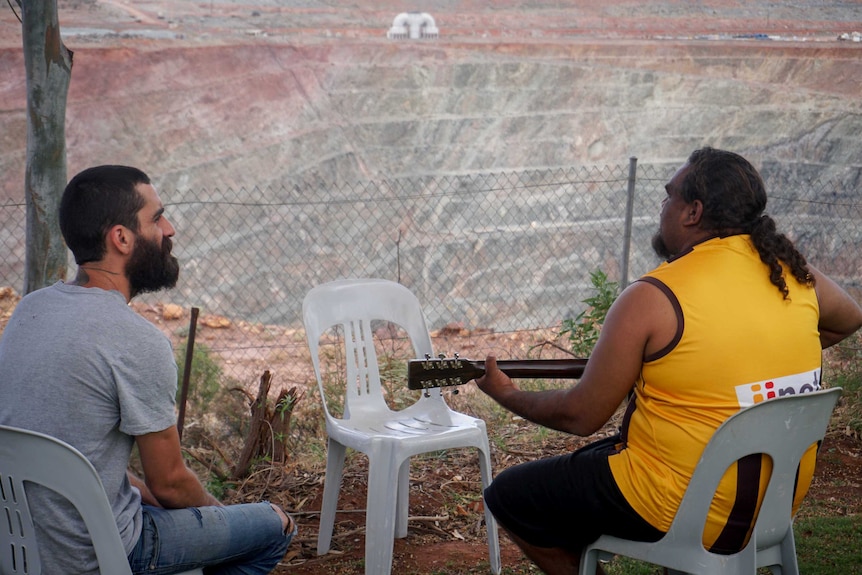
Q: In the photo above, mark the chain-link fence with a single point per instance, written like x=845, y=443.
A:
x=504, y=251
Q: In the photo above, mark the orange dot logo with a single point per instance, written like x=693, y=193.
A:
x=757, y=397
x=763, y=392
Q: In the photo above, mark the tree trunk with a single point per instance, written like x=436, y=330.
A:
x=269, y=429
x=49, y=71
x=258, y=429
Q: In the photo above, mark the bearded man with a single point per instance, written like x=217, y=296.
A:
x=78, y=364
x=734, y=304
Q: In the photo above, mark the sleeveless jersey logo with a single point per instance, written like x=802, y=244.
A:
x=750, y=393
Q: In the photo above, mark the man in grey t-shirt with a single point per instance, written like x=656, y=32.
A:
x=78, y=364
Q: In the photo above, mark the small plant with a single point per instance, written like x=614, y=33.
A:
x=843, y=368
x=218, y=487
x=205, y=377
x=583, y=331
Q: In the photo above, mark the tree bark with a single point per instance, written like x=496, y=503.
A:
x=270, y=425
x=257, y=429
x=49, y=71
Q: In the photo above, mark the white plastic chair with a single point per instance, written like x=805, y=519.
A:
x=389, y=438
x=783, y=428
x=30, y=457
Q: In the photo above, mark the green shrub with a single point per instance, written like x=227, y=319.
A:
x=583, y=331
x=204, y=379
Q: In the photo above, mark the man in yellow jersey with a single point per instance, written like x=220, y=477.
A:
x=733, y=317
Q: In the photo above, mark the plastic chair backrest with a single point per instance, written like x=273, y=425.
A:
x=352, y=304
x=782, y=428
x=30, y=457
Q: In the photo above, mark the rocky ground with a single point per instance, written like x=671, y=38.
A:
x=207, y=94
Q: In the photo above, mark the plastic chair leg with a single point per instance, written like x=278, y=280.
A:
x=589, y=560
x=335, y=453
x=789, y=565
x=490, y=521
x=780, y=559
x=380, y=513
x=402, y=504
x=771, y=558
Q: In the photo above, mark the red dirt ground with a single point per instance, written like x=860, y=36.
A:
x=455, y=544
x=443, y=541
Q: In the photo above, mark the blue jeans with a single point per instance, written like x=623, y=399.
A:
x=242, y=539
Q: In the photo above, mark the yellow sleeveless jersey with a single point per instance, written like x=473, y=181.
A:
x=739, y=343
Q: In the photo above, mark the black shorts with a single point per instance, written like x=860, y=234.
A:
x=566, y=501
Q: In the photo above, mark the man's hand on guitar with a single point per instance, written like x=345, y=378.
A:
x=495, y=383
x=547, y=407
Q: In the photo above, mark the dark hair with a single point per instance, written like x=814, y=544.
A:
x=734, y=199
x=94, y=201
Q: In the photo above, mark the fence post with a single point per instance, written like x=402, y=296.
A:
x=187, y=371
x=627, y=235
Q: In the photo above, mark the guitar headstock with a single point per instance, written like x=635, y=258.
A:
x=441, y=372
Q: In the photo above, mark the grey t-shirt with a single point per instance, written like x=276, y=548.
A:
x=79, y=364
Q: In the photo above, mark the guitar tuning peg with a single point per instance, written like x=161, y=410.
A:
x=427, y=393
x=441, y=355
x=427, y=356
x=456, y=355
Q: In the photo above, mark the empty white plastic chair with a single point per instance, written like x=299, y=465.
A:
x=30, y=457
x=389, y=438
x=782, y=428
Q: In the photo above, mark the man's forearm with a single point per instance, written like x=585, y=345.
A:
x=147, y=496
x=540, y=407
x=184, y=491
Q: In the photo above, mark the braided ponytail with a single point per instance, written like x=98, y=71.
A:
x=734, y=200
x=775, y=248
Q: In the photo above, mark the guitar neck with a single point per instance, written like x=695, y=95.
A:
x=537, y=368
x=428, y=373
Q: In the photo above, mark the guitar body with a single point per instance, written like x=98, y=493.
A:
x=443, y=372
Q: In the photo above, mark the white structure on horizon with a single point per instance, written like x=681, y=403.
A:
x=413, y=25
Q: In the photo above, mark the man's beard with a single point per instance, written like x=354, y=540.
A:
x=659, y=247
x=152, y=267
